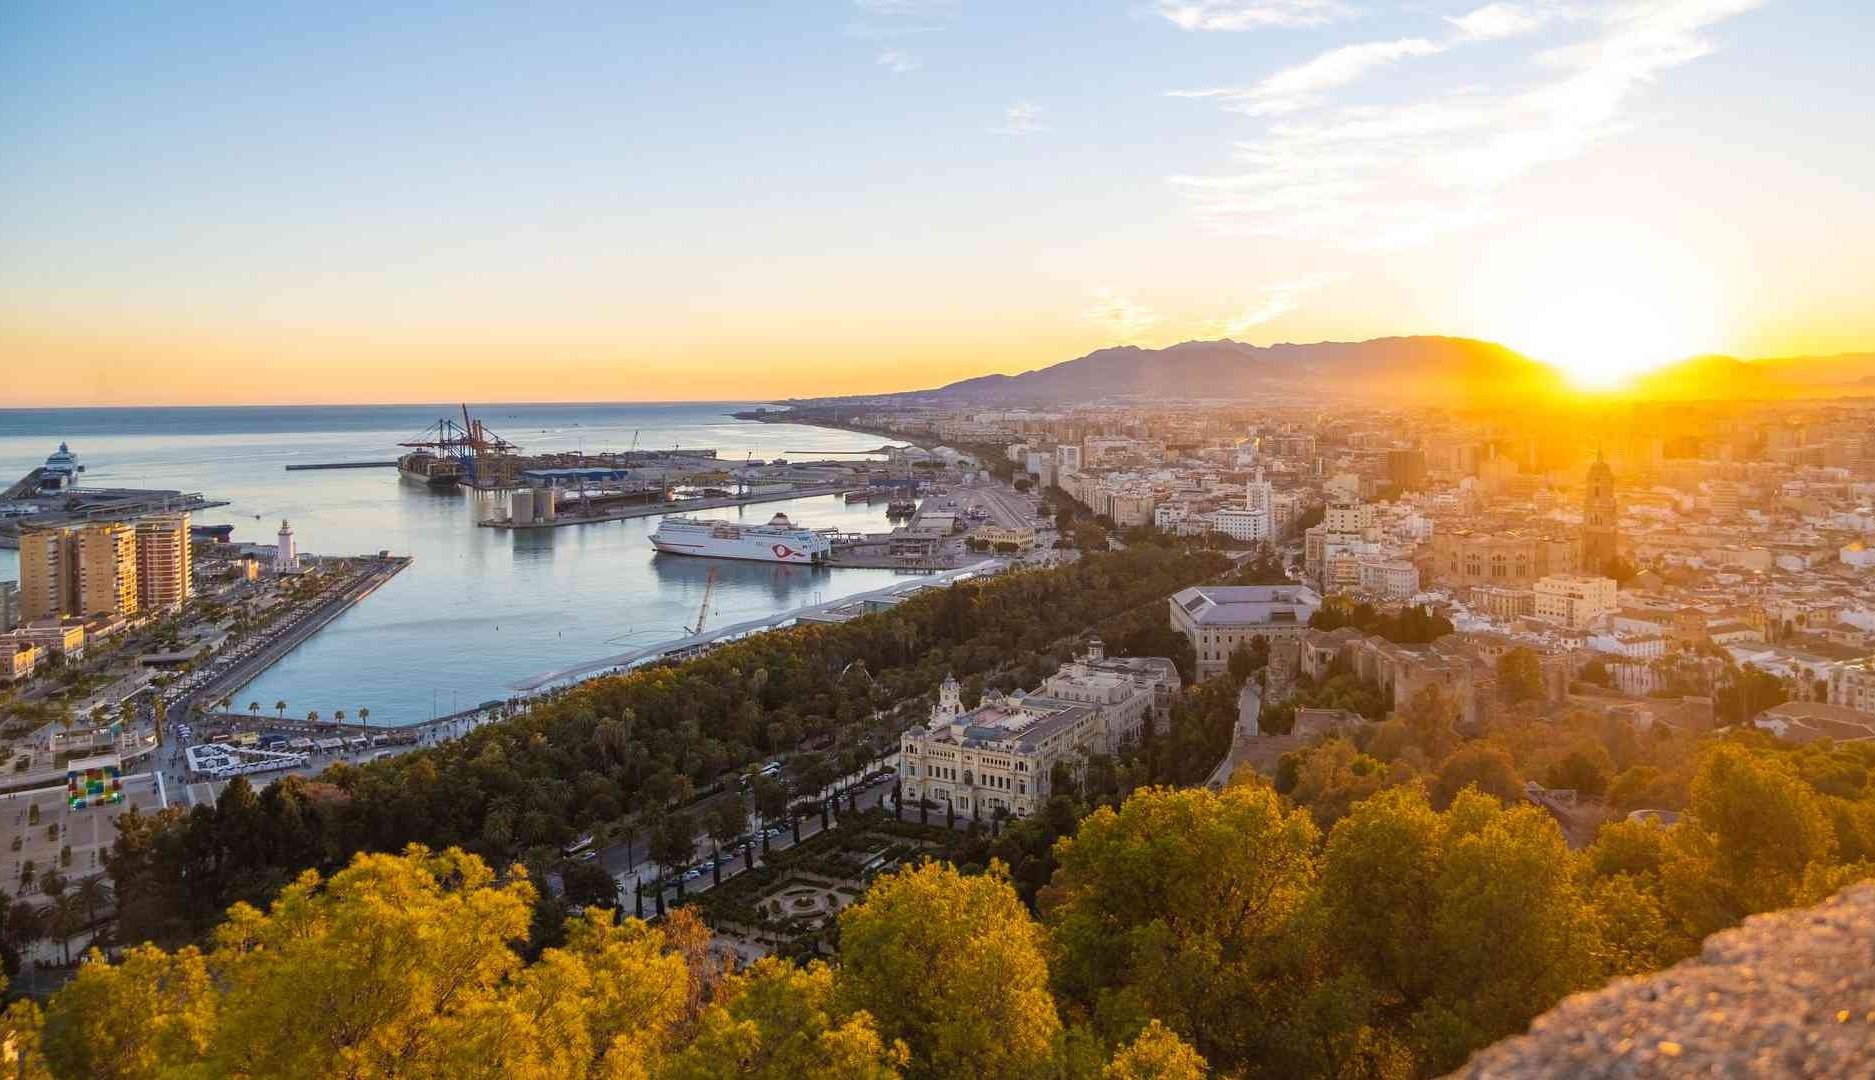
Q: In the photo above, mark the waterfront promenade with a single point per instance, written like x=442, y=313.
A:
x=750, y=626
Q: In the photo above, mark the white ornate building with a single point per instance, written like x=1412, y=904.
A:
x=1001, y=755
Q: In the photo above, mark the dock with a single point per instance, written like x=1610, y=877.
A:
x=677, y=506
x=343, y=465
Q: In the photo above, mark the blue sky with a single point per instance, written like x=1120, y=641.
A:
x=840, y=196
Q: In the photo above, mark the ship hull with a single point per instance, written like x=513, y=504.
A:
x=710, y=551
x=435, y=483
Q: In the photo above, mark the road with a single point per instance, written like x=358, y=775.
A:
x=1008, y=507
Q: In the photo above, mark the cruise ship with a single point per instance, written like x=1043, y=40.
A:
x=778, y=541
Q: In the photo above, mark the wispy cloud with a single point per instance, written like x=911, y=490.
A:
x=1494, y=22
x=890, y=20
x=1274, y=302
x=1301, y=86
x=1250, y=14
x=897, y=62
x=1021, y=118
x=1401, y=173
x=1121, y=317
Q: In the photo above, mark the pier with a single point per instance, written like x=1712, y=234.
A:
x=751, y=626
x=676, y=506
x=343, y=465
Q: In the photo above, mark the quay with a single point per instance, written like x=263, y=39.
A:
x=343, y=465
x=753, y=626
x=675, y=506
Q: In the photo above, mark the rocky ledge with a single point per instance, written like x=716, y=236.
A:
x=1786, y=994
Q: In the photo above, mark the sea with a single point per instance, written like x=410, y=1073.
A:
x=478, y=610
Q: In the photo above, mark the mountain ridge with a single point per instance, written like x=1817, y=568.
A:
x=1409, y=369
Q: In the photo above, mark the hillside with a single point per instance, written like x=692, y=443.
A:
x=1728, y=378
x=1411, y=367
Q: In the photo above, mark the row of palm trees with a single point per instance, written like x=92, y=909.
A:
x=312, y=716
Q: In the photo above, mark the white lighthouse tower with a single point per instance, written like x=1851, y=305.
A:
x=286, y=555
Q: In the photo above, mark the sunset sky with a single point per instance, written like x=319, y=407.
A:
x=683, y=200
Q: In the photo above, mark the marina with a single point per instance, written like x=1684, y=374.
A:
x=476, y=608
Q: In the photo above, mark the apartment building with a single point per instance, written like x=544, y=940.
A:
x=1577, y=601
x=107, y=569
x=163, y=572
x=1852, y=685
x=1243, y=524
x=48, y=574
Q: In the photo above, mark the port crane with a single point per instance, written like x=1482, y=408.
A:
x=468, y=443
x=703, y=612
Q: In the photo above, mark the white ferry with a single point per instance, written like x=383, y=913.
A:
x=778, y=541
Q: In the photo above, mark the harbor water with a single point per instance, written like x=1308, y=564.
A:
x=479, y=609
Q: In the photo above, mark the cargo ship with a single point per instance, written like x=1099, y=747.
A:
x=443, y=473
x=779, y=541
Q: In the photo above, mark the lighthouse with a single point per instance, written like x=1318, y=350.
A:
x=286, y=555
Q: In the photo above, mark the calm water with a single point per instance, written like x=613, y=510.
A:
x=480, y=609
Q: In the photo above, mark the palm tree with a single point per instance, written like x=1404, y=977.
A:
x=226, y=703
x=338, y=716
x=312, y=716
x=364, y=715
x=93, y=893
x=253, y=709
x=280, y=707
x=68, y=919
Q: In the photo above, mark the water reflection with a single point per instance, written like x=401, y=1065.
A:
x=739, y=577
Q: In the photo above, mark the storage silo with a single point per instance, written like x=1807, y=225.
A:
x=521, y=506
x=545, y=504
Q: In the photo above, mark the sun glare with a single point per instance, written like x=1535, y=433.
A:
x=1603, y=311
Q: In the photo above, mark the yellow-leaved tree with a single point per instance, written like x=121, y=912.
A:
x=406, y=966
x=775, y=1020
x=952, y=965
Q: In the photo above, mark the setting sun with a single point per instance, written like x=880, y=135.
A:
x=1601, y=308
